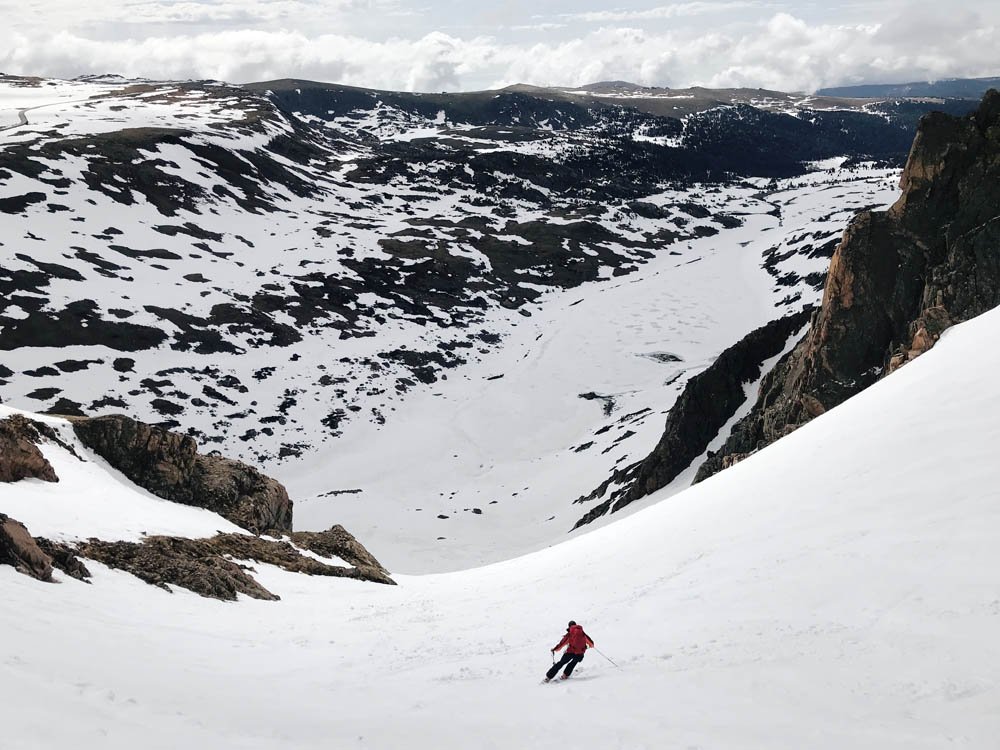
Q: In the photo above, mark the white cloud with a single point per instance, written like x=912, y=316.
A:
x=676, y=10
x=547, y=26
x=780, y=52
x=429, y=63
x=115, y=15
x=199, y=12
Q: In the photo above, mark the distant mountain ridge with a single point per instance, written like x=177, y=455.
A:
x=952, y=88
x=657, y=101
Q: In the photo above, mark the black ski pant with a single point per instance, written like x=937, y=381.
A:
x=569, y=660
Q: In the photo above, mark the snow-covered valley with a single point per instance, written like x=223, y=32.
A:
x=502, y=339
x=486, y=464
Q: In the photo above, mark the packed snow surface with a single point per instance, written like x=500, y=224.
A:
x=839, y=589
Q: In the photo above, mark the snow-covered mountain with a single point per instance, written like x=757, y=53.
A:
x=319, y=279
x=965, y=88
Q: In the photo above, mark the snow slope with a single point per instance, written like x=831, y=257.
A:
x=839, y=589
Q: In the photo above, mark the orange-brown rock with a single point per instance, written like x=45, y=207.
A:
x=19, y=454
x=19, y=549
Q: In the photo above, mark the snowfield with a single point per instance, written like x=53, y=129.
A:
x=839, y=589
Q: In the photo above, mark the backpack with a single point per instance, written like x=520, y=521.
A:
x=577, y=640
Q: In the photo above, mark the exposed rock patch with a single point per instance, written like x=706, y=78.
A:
x=17, y=548
x=19, y=454
x=63, y=557
x=337, y=542
x=189, y=563
x=211, y=567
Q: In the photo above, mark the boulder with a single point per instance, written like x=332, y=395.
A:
x=19, y=454
x=168, y=465
x=338, y=542
x=17, y=548
x=64, y=558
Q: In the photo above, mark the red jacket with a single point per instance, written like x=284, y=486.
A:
x=575, y=640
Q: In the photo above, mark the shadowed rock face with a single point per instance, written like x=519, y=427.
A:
x=897, y=280
x=168, y=465
x=17, y=548
x=708, y=401
x=63, y=558
x=19, y=454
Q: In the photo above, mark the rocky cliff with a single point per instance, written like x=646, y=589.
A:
x=19, y=549
x=898, y=279
x=19, y=454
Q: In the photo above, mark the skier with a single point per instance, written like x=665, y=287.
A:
x=576, y=642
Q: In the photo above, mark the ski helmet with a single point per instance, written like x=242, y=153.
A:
x=571, y=623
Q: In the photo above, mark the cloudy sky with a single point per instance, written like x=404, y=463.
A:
x=436, y=45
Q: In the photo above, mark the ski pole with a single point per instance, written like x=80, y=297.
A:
x=605, y=656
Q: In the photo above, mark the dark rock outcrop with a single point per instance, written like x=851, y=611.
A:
x=63, y=558
x=708, y=401
x=897, y=280
x=19, y=454
x=168, y=465
x=189, y=563
x=338, y=542
x=286, y=556
x=207, y=567
x=17, y=548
